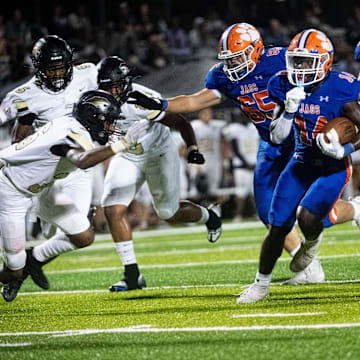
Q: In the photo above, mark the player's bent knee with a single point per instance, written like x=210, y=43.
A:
x=15, y=261
x=83, y=239
x=308, y=222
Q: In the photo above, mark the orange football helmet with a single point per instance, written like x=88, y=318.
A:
x=240, y=47
x=309, y=57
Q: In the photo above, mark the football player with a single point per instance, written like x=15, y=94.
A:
x=307, y=94
x=48, y=95
x=33, y=167
x=209, y=136
x=155, y=160
x=242, y=76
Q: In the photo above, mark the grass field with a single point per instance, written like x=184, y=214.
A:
x=188, y=310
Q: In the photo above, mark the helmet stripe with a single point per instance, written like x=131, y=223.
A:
x=225, y=37
x=303, y=38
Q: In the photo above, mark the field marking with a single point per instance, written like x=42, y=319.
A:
x=14, y=345
x=161, y=266
x=175, y=287
x=149, y=329
x=278, y=314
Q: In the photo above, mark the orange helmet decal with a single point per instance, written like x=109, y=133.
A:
x=242, y=41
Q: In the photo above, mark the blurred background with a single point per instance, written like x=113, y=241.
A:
x=171, y=44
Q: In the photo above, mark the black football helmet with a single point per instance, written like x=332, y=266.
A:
x=52, y=58
x=93, y=110
x=113, y=72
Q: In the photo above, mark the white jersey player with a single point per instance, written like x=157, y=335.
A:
x=49, y=95
x=244, y=140
x=155, y=160
x=209, y=138
x=32, y=169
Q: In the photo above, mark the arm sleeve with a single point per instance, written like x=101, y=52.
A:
x=280, y=127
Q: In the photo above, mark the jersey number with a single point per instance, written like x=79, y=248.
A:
x=306, y=136
x=255, y=115
x=136, y=149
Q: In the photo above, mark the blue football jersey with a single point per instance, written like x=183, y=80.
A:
x=318, y=108
x=250, y=93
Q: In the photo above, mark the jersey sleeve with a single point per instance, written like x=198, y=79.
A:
x=90, y=72
x=19, y=107
x=153, y=115
x=8, y=110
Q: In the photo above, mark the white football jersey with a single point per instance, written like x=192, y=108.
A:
x=157, y=136
x=31, y=99
x=208, y=137
x=29, y=164
x=247, y=138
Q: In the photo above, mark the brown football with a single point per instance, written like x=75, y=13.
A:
x=344, y=127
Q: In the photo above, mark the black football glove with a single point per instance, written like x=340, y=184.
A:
x=195, y=157
x=146, y=102
x=60, y=149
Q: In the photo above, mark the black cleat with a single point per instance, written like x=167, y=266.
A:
x=11, y=289
x=126, y=285
x=34, y=268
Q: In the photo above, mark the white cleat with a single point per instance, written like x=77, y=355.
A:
x=214, y=233
x=305, y=255
x=252, y=294
x=313, y=274
x=356, y=204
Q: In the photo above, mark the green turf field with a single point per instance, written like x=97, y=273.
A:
x=188, y=310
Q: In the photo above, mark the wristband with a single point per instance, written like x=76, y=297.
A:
x=120, y=145
x=192, y=147
x=164, y=105
x=348, y=149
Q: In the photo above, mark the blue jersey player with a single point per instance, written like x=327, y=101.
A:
x=308, y=95
x=242, y=76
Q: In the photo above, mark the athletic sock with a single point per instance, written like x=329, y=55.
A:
x=126, y=251
x=204, y=215
x=262, y=279
x=294, y=251
x=52, y=248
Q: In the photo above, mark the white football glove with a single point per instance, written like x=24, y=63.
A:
x=293, y=99
x=135, y=132
x=333, y=149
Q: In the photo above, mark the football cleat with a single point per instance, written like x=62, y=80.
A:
x=313, y=274
x=214, y=224
x=252, y=294
x=11, y=289
x=356, y=204
x=305, y=255
x=124, y=284
x=34, y=268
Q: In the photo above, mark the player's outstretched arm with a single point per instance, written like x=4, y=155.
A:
x=86, y=159
x=179, y=123
x=177, y=104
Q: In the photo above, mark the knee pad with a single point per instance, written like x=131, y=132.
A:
x=15, y=261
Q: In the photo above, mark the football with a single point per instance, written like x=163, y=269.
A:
x=344, y=127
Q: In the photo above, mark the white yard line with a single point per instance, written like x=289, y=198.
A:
x=278, y=315
x=14, y=345
x=203, y=263
x=148, y=329
x=172, y=287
